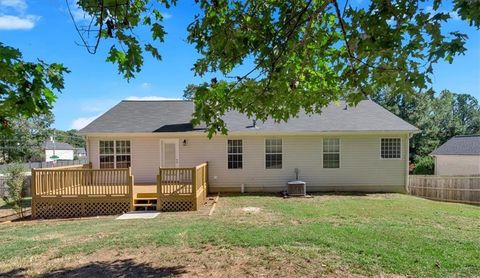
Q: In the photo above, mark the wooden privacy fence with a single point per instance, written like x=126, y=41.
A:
x=462, y=189
x=80, y=191
x=181, y=189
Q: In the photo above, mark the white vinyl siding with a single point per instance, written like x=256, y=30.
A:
x=273, y=154
x=457, y=165
x=361, y=166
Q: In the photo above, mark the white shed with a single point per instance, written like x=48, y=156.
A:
x=458, y=156
x=61, y=150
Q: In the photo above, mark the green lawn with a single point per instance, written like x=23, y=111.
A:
x=377, y=234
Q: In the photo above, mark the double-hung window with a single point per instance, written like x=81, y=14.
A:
x=273, y=153
x=115, y=154
x=331, y=153
x=390, y=148
x=235, y=154
x=122, y=154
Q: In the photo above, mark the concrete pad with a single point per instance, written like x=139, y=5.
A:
x=138, y=215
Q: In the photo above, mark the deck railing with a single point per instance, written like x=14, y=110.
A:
x=75, y=182
x=80, y=191
x=182, y=188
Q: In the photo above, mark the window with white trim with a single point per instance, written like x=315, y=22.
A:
x=273, y=153
x=391, y=148
x=235, y=154
x=331, y=153
x=115, y=154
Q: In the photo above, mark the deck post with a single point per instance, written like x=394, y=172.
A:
x=130, y=186
x=206, y=179
x=194, y=188
x=34, y=192
x=159, y=189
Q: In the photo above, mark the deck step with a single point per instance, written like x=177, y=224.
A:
x=144, y=205
x=146, y=195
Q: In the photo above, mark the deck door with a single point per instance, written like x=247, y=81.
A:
x=170, y=153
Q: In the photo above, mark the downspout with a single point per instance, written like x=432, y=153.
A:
x=87, y=148
x=407, y=160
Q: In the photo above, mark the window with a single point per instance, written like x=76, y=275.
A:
x=273, y=153
x=107, y=156
x=122, y=154
x=235, y=154
x=390, y=148
x=331, y=153
x=114, y=154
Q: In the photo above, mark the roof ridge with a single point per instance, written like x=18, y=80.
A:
x=156, y=100
x=470, y=135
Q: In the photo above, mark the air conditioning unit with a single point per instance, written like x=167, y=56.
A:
x=297, y=188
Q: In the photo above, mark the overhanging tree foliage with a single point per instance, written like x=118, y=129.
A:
x=304, y=53
x=27, y=89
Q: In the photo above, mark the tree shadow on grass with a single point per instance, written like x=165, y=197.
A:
x=117, y=268
x=14, y=273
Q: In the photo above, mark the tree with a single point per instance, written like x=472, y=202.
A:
x=26, y=88
x=439, y=117
x=15, y=182
x=23, y=140
x=71, y=137
x=305, y=53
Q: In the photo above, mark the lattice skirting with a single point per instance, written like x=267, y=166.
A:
x=176, y=204
x=77, y=207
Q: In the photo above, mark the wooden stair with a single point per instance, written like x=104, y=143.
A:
x=145, y=201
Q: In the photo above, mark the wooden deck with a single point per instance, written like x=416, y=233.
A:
x=82, y=191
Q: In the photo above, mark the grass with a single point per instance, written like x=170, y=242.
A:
x=377, y=234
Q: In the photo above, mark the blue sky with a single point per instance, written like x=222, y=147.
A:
x=43, y=29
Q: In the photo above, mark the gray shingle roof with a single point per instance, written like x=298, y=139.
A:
x=460, y=145
x=49, y=145
x=175, y=116
x=80, y=151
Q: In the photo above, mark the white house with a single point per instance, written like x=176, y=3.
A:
x=362, y=148
x=458, y=156
x=57, y=151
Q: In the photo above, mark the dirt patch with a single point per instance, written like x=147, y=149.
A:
x=205, y=261
x=252, y=210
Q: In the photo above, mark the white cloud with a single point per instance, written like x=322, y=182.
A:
x=453, y=14
x=146, y=85
x=78, y=13
x=82, y=122
x=11, y=22
x=13, y=15
x=18, y=5
x=166, y=15
x=151, y=98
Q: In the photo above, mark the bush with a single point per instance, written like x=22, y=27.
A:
x=15, y=181
x=424, y=166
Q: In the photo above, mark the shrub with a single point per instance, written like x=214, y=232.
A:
x=15, y=181
x=424, y=166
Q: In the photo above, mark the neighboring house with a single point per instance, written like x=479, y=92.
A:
x=61, y=150
x=80, y=152
x=362, y=148
x=458, y=156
